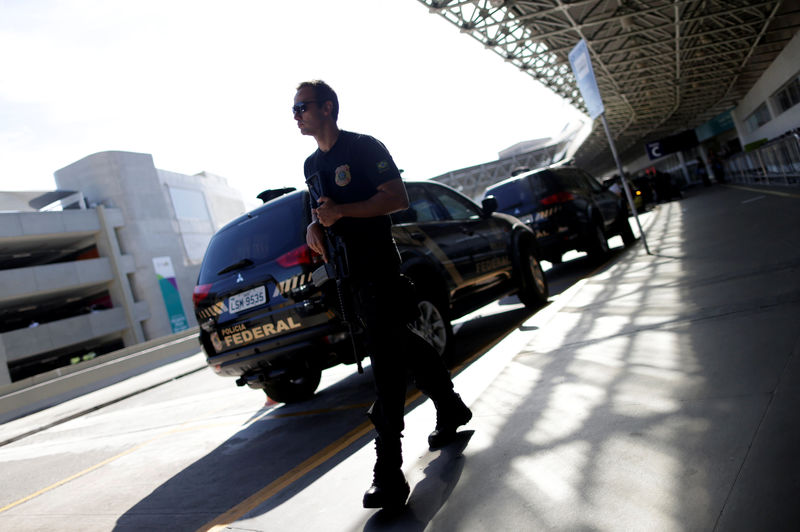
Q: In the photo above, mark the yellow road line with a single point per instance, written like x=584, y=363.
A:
x=297, y=472
x=318, y=411
x=183, y=428
x=277, y=485
x=77, y=475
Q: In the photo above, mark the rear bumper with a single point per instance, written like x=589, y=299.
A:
x=277, y=352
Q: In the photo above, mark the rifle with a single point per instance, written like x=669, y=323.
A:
x=336, y=268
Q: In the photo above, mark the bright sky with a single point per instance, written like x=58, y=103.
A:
x=205, y=85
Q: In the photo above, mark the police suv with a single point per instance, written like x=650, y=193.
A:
x=264, y=321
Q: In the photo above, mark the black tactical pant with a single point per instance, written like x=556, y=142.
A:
x=385, y=306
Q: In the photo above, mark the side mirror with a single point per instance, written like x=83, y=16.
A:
x=489, y=205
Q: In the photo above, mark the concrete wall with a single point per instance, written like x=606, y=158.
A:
x=785, y=67
x=47, y=224
x=130, y=182
x=153, y=228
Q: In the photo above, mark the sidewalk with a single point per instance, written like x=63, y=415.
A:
x=21, y=427
x=658, y=394
x=664, y=394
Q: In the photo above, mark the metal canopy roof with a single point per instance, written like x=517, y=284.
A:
x=663, y=66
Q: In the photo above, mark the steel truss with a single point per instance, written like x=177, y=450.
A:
x=663, y=66
x=474, y=180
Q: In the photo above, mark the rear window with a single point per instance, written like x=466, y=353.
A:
x=523, y=193
x=268, y=233
x=511, y=196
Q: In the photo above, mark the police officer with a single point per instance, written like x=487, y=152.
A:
x=361, y=187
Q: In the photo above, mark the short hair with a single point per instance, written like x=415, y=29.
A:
x=323, y=93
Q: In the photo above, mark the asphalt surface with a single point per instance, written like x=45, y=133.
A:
x=658, y=393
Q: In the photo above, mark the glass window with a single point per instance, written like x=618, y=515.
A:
x=458, y=207
x=571, y=180
x=421, y=208
x=592, y=182
x=758, y=118
x=189, y=204
x=261, y=237
x=515, y=196
x=788, y=96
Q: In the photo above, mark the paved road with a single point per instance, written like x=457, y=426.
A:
x=658, y=393
x=178, y=455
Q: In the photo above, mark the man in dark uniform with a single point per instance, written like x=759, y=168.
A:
x=361, y=187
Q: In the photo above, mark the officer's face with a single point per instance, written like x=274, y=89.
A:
x=308, y=112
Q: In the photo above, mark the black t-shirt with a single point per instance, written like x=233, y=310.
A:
x=351, y=171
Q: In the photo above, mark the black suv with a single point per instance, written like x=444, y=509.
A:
x=262, y=318
x=566, y=208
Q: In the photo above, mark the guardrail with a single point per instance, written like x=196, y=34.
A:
x=53, y=387
x=774, y=163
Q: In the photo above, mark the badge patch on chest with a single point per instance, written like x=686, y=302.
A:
x=342, y=175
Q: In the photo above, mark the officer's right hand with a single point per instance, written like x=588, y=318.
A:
x=315, y=238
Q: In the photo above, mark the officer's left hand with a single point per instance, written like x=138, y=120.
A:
x=328, y=212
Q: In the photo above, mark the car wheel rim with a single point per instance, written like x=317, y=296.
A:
x=536, y=273
x=431, y=326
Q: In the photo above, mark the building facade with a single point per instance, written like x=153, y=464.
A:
x=114, y=266
x=771, y=108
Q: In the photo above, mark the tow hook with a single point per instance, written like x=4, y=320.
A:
x=252, y=380
x=257, y=380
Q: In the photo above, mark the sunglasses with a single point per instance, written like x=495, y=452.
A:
x=301, y=107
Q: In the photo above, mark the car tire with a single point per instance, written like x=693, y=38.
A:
x=534, y=289
x=295, y=386
x=433, y=327
x=598, y=243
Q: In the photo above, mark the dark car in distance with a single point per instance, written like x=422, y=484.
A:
x=566, y=208
x=264, y=321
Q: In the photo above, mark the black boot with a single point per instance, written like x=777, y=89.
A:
x=389, y=488
x=451, y=413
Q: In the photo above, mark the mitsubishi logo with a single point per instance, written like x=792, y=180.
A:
x=239, y=278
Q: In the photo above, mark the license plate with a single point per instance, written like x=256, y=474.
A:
x=252, y=298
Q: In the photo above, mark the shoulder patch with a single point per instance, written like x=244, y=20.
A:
x=383, y=166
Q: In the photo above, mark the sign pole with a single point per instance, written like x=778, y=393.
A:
x=581, y=65
x=624, y=181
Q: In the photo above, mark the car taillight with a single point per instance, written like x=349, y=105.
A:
x=558, y=197
x=200, y=293
x=298, y=256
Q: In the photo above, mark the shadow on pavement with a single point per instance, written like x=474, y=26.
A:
x=650, y=403
x=273, y=441
x=430, y=494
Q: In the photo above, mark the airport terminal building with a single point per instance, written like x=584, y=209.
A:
x=110, y=258
x=106, y=261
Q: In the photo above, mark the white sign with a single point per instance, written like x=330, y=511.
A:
x=582, y=68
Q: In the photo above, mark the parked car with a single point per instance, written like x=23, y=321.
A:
x=566, y=208
x=614, y=184
x=263, y=320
